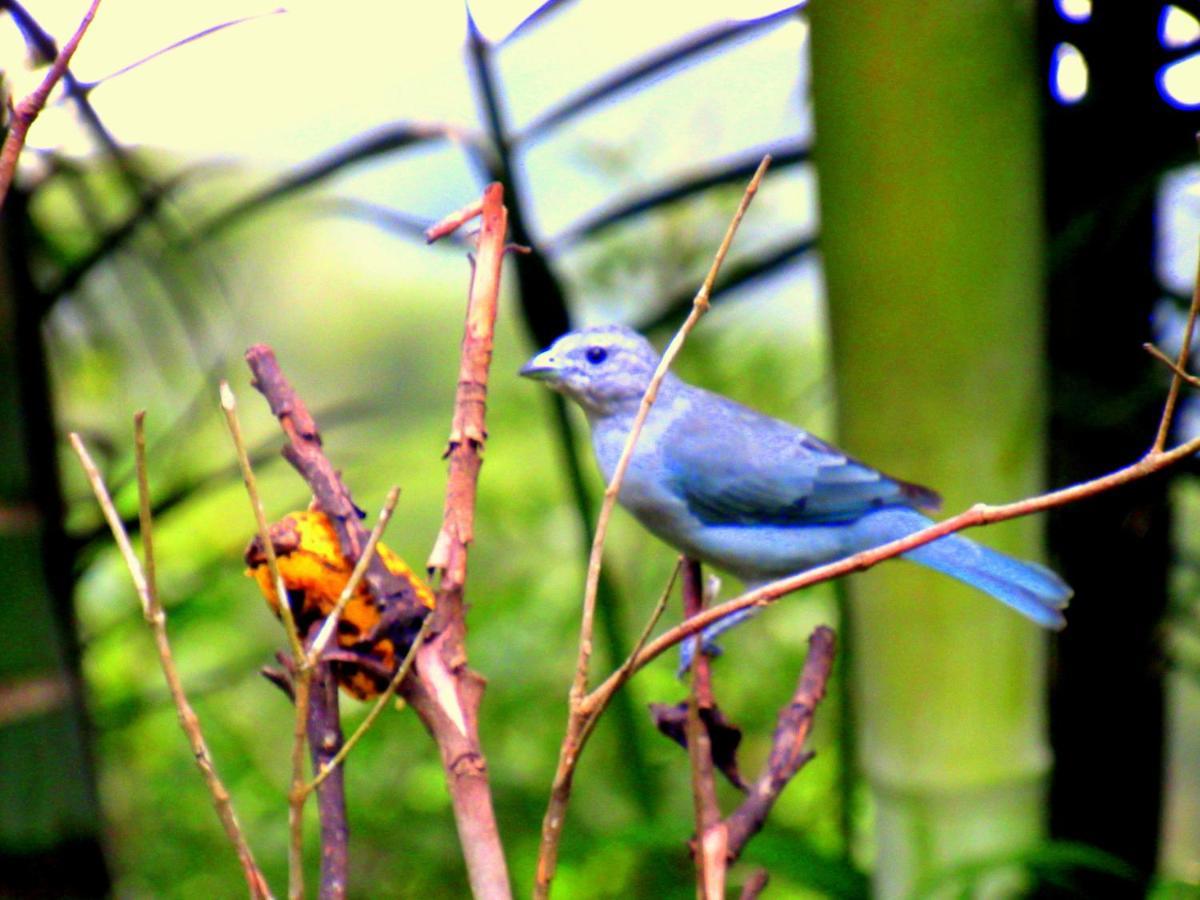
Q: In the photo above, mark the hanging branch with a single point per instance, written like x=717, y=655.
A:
x=446, y=694
x=145, y=582
x=27, y=110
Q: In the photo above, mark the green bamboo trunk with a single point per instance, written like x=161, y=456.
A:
x=927, y=154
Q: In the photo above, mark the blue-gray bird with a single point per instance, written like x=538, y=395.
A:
x=753, y=495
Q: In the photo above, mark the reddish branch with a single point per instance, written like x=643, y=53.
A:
x=445, y=693
x=442, y=690
x=720, y=842
x=28, y=109
x=454, y=221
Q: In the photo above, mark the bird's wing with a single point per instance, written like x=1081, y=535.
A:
x=735, y=466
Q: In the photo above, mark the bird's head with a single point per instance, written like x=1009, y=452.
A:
x=601, y=368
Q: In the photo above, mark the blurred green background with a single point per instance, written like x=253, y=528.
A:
x=265, y=183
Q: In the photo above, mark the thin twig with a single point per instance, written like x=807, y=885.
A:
x=183, y=42
x=302, y=690
x=380, y=703
x=577, y=720
x=1179, y=367
x=28, y=109
x=699, y=307
x=147, y=590
x=451, y=223
x=755, y=884
x=592, y=713
x=302, y=671
x=329, y=626
x=229, y=407
x=1171, y=364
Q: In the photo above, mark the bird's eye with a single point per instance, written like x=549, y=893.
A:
x=596, y=355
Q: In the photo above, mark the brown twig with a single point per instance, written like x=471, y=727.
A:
x=578, y=728
x=145, y=583
x=1180, y=368
x=301, y=670
x=302, y=691
x=710, y=844
x=229, y=407
x=325, y=742
x=451, y=223
x=1171, y=364
x=755, y=884
x=625, y=672
x=399, y=605
x=446, y=694
x=787, y=755
x=328, y=765
x=28, y=109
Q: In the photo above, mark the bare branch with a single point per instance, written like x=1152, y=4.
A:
x=27, y=110
x=147, y=589
x=399, y=604
x=577, y=721
x=229, y=407
x=325, y=742
x=755, y=884
x=788, y=755
x=332, y=763
x=1171, y=364
x=1180, y=368
x=446, y=694
x=451, y=223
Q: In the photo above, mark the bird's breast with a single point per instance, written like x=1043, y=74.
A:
x=646, y=490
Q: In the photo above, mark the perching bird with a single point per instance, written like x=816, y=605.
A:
x=753, y=495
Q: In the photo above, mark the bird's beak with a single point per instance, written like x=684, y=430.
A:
x=542, y=367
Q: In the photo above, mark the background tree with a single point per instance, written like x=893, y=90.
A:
x=932, y=249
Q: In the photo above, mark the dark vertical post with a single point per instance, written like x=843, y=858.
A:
x=49, y=810
x=1103, y=157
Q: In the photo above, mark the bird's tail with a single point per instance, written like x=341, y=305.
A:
x=1032, y=590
